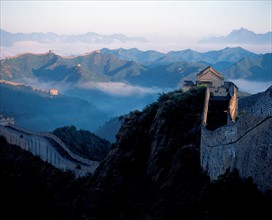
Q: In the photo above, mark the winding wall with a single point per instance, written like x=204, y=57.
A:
x=49, y=148
x=245, y=145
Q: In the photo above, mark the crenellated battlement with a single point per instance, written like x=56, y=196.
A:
x=5, y=120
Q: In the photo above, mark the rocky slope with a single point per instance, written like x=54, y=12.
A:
x=153, y=171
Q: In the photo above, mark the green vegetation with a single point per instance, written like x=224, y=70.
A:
x=83, y=142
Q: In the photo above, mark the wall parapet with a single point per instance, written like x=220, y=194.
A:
x=56, y=139
x=38, y=144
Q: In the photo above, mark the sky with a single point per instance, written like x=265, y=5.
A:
x=170, y=23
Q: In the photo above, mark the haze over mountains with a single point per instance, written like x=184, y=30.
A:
x=134, y=67
x=188, y=55
x=109, y=83
x=76, y=44
x=241, y=36
x=7, y=38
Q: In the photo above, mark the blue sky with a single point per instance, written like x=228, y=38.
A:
x=170, y=23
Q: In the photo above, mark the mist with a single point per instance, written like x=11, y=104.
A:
x=80, y=48
x=119, y=88
x=251, y=87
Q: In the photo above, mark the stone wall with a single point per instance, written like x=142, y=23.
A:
x=6, y=120
x=245, y=145
x=49, y=148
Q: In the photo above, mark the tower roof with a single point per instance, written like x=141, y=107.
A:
x=209, y=68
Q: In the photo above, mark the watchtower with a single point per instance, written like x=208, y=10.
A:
x=221, y=98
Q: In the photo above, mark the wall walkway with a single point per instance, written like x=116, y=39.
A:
x=49, y=148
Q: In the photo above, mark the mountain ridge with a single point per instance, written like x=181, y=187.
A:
x=52, y=67
x=241, y=36
x=8, y=38
x=107, y=66
x=230, y=54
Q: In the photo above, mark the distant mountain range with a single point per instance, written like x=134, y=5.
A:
x=77, y=44
x=134, y=54
x=241, y=36
x=108, y=83
x=258, y=69
x=147, y=68
x=49, y=67
x=146, y=57
x=8, y=38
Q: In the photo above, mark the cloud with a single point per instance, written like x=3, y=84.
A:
x=64, y=49
x=251, y=86
x=119, y=88
x=79, y=48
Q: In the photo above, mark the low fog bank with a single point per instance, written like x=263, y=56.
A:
x=251, y=87
x=119, y=88
x=79, y=48
x=116, y=103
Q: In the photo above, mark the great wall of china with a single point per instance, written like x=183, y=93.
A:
x=49, y=148
x=245, y=145
x=234, y=136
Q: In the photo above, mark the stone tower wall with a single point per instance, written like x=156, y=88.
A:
x=245, y=145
